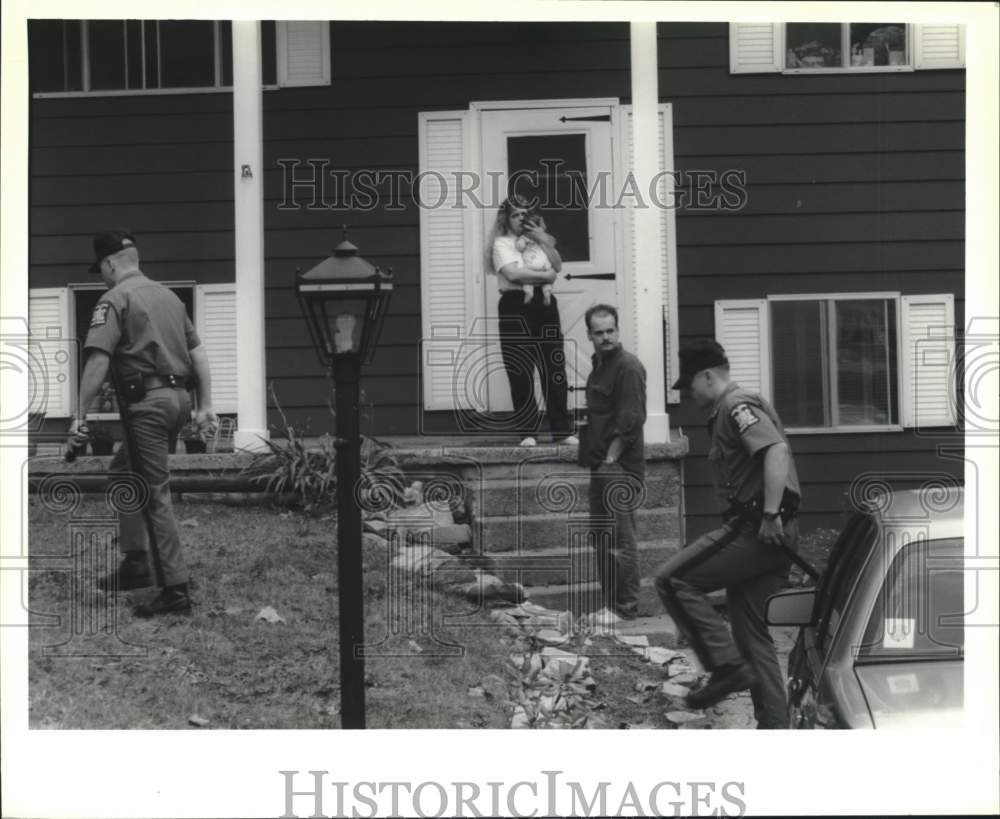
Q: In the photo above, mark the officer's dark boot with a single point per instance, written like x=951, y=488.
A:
x=723, y=681
x=172, y=600
x=132, y=573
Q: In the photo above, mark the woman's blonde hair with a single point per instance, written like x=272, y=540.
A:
x=501, y=226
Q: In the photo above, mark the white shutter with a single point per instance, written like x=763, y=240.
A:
x=927, y=360
x=215, y=320
x=444, y=258
x=49, y=353
x=668, y=240
x=741, y=327
x=938, y=46
x=756, y=48
x=303, y=52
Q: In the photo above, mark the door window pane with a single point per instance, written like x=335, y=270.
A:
x=559, y=165
x=187, y=53
x=798, y=338
x=106, y=49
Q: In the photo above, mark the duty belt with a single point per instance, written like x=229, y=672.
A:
x=153, y=382
x=754, y=508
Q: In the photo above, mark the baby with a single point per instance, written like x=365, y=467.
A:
x=534, y=258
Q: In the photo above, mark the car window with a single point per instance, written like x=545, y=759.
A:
x=848, y=556
x=920, y=608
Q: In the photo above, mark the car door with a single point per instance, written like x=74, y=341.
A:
x=811, y=701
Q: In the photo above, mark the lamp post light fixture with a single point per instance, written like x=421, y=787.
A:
x=344, y=299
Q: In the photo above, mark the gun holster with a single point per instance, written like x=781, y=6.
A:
x=752, y=511
x=132, y=387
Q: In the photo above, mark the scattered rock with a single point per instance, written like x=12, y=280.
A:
x=369, y=540
x=269, y=615
x=634, y=640
x=674, y=691
x=550, y=637
x=520, y=718
x=198, y=721
x=476, y=693
x=192, y=522
x=595, y=721
x=503, y=617
x=661, y=656
x=687, y=678
x=686, y=718
x=452, y=537
x=414, y=646
x=375, y=526
x=646, y=685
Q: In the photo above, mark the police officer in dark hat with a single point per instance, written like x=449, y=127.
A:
x=141, y=336
x=758, y=491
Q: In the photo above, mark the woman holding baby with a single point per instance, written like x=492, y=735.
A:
x=525, y=260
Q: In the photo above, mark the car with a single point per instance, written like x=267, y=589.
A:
x=881, y=636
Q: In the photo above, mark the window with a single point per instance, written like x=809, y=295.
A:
x=822, y=46
x=838, y=48
x=137, y=55
x=834, y=362
x=846, y=362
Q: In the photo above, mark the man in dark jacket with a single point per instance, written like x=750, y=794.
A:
x=615, y=452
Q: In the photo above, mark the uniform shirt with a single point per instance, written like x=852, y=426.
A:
x=504, y=252
x=616, y=408
x=742, y=426
x=144, y=327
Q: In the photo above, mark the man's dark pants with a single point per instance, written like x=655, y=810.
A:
x=732, y=558
x=156, y=419
x=614, y=496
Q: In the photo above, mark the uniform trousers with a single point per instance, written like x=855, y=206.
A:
x=531, y=340
x=732, y=558
x=614, y=496
x=156, y=420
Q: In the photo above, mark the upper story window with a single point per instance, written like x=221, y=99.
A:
x=838, y=48
x=149, y=56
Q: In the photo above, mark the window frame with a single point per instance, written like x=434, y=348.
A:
x=845, y=37
x=894, y=297
x=135, y=92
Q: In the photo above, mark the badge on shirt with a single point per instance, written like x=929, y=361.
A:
x=100, y=316
x=744, y=416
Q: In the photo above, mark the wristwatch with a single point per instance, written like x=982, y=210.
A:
x=771, y=516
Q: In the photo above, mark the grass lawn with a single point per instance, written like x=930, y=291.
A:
x=224, y=665
x=93, y=665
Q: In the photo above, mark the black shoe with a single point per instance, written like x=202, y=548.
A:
x=172, y=600
x=724, y=681
x=132, y=573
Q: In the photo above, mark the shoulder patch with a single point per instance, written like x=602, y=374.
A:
x=744, y=416
x=100, y=315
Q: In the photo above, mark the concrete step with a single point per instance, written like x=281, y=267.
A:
x=533, y=532
x=549, y=567
x=560, y=493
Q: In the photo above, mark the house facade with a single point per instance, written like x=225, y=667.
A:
x=794, y=190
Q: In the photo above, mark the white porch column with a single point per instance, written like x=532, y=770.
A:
x=647, y=284
x=248, y=199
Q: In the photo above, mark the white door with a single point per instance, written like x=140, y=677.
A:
x=562, y=155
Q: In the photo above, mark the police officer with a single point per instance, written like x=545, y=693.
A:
x=758, y=489
x=141, y=334
x=615, y=452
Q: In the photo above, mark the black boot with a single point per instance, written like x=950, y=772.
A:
x=172, y=600
x=132, y=573
x=724, y=681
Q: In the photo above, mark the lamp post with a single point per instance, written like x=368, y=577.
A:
x=344, y=299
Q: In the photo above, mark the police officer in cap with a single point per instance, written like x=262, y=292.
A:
x=140, y=334
x=758, y=490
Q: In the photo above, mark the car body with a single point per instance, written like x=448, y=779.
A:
x=881, y=636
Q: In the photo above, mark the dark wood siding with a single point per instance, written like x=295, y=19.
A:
x=160, y=165
x=855, y=183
